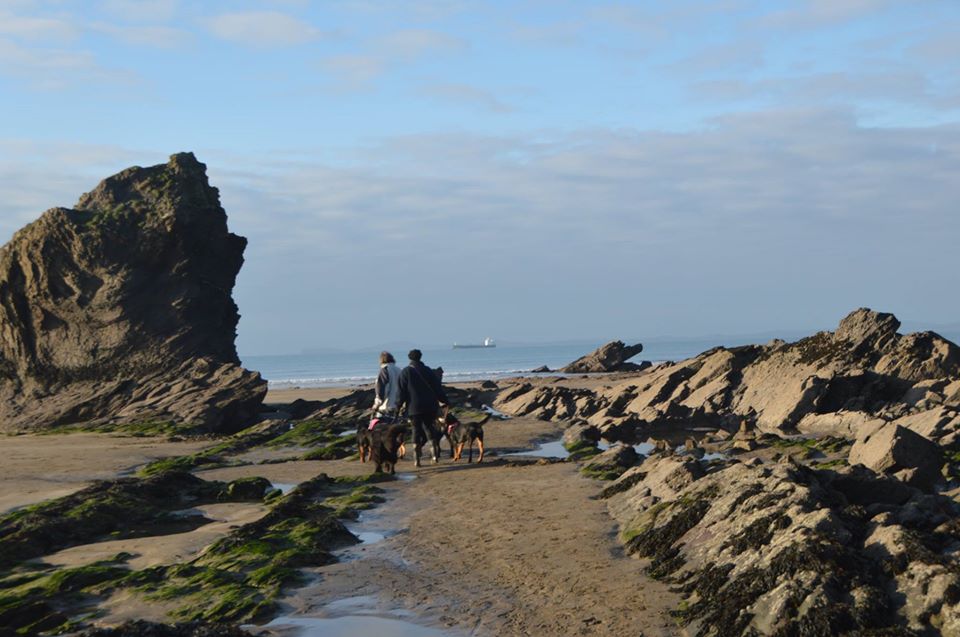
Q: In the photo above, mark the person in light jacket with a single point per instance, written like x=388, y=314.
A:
x=387, y=390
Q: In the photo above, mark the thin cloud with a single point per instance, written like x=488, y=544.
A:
x=262, y=29
x=821, y=13
x=467, y=94
x=358, y=70
x=152, y=36
x=33, y=28
x=150, y=11
x=411, y=44
x=355, y=71
x=53, y=69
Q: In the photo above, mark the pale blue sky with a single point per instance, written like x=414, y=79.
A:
x=442, y=170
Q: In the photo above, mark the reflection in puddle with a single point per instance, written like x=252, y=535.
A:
x=348, y=432
x=284, y=487
x=555, y=449
x=354, y=625
x=546, y=450
x=406, y=477
x=642, y=448
x=367, y=537
x=353, y=617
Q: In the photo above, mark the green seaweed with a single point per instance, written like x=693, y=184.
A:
x=239, y=577
x=127, y=507
x=581, y=449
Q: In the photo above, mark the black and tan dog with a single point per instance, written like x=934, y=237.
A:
x=365, y=440
x=385, y=443
x=460, y=433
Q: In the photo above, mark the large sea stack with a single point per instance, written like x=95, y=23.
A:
x=120, y=310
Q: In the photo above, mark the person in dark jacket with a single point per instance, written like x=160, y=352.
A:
x=422, y=394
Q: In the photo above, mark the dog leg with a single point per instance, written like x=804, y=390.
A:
x=470, y=452
x=480, y=444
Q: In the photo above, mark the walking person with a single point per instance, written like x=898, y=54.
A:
x=387, y=389
x=422, y=394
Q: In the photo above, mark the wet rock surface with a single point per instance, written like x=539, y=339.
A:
x=119, y=310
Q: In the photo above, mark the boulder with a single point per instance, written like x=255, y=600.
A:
x=898, y=451
x=543, y=369
x=580, y=434
x=120, y=309
x=247, y=489
x=611, y=357
x=612, y=462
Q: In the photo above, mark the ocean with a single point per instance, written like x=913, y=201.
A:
x=347, y=368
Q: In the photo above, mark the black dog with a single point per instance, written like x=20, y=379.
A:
x=460, y=433
x=385, y=442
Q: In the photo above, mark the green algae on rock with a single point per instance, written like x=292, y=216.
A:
x=126, y=507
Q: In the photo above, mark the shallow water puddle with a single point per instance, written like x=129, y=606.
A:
x=285, y=487
x=353, y=626
x=353, y=617
x=642, y=448
x=546, y=450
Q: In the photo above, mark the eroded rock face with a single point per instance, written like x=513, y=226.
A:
x=120, y=309
x=829, y=383
x=783, y=549
x=611, y=357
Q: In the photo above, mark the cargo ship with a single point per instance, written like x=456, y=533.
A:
x=487, y=342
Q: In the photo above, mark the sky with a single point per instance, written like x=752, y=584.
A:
x=433, y=171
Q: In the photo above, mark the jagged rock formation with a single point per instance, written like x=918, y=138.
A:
x=611, y=357
x=120, y=309
x=787, y=550
x=836, y=383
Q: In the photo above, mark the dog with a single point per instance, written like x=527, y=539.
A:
x=459, y=434
x=384, y=445
x=364, y=441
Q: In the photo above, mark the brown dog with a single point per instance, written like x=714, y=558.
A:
x=460, y=434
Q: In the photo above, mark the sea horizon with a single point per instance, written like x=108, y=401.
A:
x=330, y=367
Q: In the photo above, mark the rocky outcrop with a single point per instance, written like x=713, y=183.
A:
x=897, y=451
x=830, y=383
x=611, y=357
x=782, y=549
x=120, y=309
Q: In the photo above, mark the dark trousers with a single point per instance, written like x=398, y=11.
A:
x=423, y=427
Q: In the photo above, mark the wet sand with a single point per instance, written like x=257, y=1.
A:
x=40, y=467
x=498, y=550
x=491, y=549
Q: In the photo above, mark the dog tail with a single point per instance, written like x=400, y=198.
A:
x=485, y=419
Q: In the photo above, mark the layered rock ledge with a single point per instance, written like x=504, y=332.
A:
x=845, y=383
x=120, y=309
